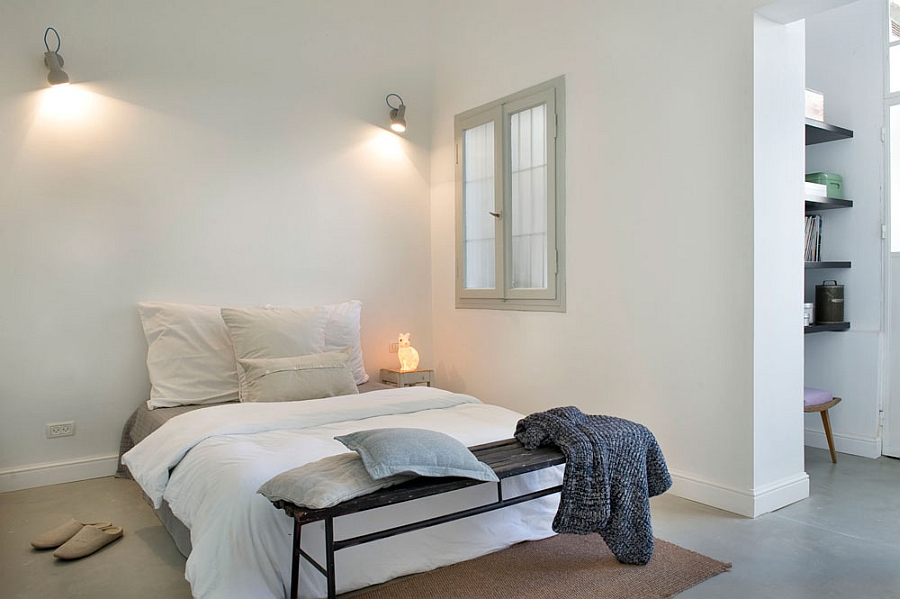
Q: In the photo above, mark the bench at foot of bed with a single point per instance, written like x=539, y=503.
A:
x=507, y=458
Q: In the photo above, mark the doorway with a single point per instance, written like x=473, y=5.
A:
x=891, y=408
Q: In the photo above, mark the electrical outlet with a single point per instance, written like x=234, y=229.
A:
x=60, y=429
x=393, y=348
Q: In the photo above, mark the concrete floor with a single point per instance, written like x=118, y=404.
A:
x=841, y=542
x=844, y=541
x=143, y=564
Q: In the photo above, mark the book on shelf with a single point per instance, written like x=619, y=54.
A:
x=815, y=191
x=813, y=246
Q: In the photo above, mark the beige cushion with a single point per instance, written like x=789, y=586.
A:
x=342, y=330
x=274, y=333
x=297, y=378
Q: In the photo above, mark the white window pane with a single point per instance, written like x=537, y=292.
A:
x=895, y=177
x=478, y=202
x=538, y=138
x=514, y=147
x=529, y=198
x=895, y=68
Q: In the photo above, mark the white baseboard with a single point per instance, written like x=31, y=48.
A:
x=779, y=494
x=54, y=473
x=867, y=447
x=750, y=503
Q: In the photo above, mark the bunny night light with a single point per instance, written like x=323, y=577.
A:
x=409, y=357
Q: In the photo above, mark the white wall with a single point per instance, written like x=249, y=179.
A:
x=209, y=151
x=659, y=325
x=778, y=154
x=844, y=61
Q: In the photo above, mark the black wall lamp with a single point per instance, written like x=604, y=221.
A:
x=398, y=114
x=54, y=61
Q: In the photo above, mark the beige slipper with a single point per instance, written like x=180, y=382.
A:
x=88, y=540
x=62, y=533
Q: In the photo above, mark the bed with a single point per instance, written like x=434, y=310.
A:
x=201, y=465
x=144, y=421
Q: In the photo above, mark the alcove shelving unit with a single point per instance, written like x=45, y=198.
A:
x=819, y=132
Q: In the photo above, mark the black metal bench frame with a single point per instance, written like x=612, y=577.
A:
x=507, y=458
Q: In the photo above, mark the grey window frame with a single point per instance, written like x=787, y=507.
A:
x=503, y=296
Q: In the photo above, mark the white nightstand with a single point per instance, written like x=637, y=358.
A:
x=407, y=378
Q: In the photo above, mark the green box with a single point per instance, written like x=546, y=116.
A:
x=833, y=183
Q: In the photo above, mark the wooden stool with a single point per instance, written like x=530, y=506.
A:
x=823, y=408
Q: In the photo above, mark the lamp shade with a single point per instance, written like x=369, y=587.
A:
x=398, y=113
x=398, y=120
x=54, y=62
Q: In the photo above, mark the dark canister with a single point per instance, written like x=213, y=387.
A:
x=829, y=302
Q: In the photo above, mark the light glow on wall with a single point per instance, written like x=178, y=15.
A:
x=387, y=145
x=67, y=105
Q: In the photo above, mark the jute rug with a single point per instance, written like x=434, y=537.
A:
x=561, y=567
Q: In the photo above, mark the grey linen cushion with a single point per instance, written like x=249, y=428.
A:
x=389, y=451
x=326, y=483
x=297, y=378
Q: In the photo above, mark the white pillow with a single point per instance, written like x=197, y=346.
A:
x=342, y=331
x=297, y=378
x=190, y=358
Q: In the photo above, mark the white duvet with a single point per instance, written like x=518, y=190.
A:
x=208, y=464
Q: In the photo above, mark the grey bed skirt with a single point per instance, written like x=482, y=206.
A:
x=179, y=532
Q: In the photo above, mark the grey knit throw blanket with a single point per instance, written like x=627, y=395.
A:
x=613, y=467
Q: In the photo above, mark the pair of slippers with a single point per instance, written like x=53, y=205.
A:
x=75, y=540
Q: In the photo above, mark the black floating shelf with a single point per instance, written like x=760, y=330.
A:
x=822, y=203
x=832, y=326
x=828, y=264
x=818, y=132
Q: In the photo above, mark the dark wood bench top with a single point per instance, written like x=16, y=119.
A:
x=507, y=458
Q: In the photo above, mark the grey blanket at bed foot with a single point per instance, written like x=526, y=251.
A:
x=613, y=467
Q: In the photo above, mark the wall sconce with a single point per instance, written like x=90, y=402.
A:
x=409, y=357
x=398, y=114
x=54, y=61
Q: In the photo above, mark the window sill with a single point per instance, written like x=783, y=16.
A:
x=512, y=304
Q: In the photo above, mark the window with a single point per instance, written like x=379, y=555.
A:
x=894, y=45
x=510, y=192
x=892, y=111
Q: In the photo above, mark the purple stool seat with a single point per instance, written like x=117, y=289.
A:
x=815, y=397
x=819, y=400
